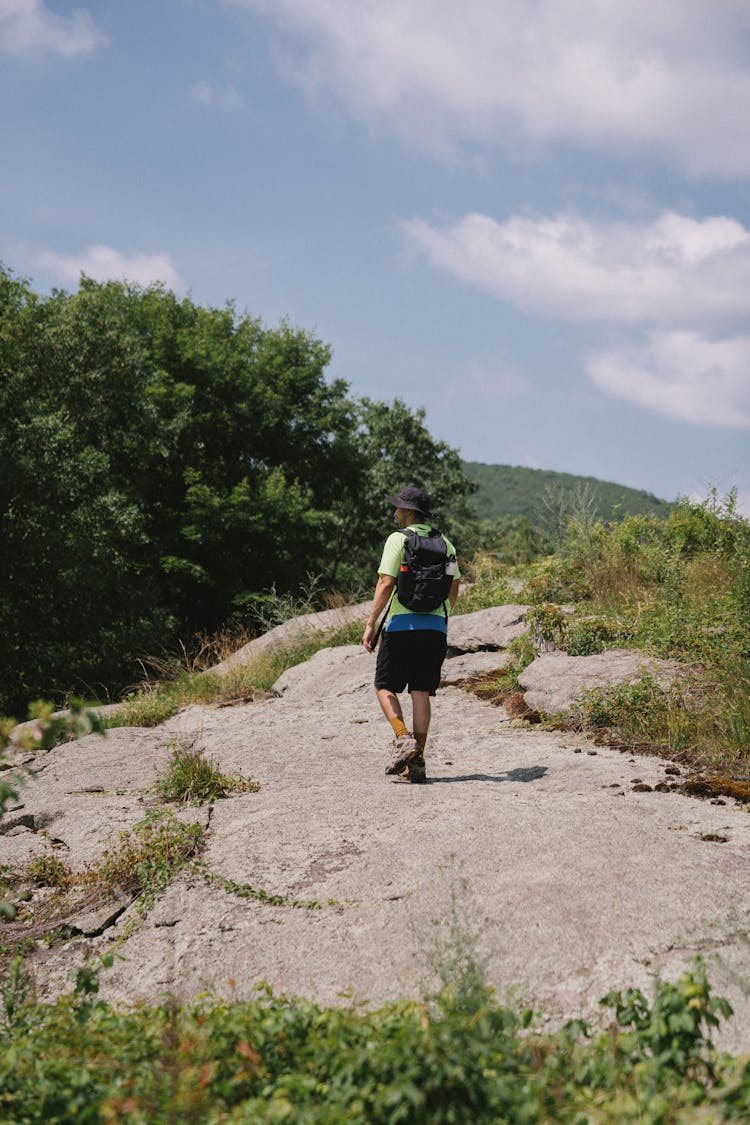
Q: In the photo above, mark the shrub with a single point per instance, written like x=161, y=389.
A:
x=548, y=625
x=146, y=858
x=49, y=871
x=590, y=635
x=642, y=714
x=485, y=584
x=447, y=1063
x=553, y=580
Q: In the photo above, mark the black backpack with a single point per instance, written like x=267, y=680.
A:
x=426, y=574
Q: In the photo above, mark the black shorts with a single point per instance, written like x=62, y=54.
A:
x=413, y=657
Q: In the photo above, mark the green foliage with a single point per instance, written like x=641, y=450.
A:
x=194, y=778
x=678, y=588
x=675, y=1031
x=461, y=1059
x=643, y=714
x=548, y=625
x=49, y=871
x=683, y=581
x=48, y=729
x=544, y=498
x=485, y=584
x=553, y=580
x=18, y=997
x=707, y=715
x=164, y=465
x=144, y=860
x=586, y=636
x=513, y=540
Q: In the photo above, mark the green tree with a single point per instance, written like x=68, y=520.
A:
x=162, y=459
x=163, y=464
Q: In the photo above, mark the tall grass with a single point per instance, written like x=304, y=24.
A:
x=677, y=588
x=177, y=683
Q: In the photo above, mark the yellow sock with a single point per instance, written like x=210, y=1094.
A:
x=399, y=727
x=421, y=737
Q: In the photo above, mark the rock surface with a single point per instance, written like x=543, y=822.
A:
x=456, y=669
x=554, y=681
x=325, y=621
x=486, y=629
x=575, y=881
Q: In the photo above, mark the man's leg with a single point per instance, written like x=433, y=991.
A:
x=390, y=705
x=421, y=713
x=404, y=747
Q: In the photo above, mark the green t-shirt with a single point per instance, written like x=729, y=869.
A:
x=393, y=556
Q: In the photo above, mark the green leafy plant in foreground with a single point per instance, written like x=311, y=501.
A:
x=460, y=1058
x=47, y=728
x=193, y=777
x=45, y=731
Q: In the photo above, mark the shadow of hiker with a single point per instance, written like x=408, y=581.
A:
x=531, y=773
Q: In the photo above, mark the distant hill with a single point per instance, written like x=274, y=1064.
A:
x=540, y=494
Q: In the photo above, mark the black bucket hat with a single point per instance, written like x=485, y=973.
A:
x=416, y=499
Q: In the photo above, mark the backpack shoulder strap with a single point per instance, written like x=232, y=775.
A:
x=406, y=532
x=383, y=619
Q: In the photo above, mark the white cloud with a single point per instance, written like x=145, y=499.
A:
x=675, y=271
x=222, y=97
x=673, y=76
x=678, y=284
x=29, y=28
x=681, y=374
x=103, y=263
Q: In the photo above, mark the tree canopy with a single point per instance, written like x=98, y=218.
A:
x=163, y=463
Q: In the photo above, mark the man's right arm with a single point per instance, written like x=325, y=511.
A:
x=382, y=596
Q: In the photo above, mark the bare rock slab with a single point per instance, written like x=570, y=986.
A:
x=487, y=629
x=296, y=629
x=577, y=874
x=330, y=673
x=469, y=664
x=97, y=919
x=554, y=681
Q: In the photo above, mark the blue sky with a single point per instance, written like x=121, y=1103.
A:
x=529, y=217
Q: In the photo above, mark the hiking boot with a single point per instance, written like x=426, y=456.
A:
x=405, y=749
x=415, y=773
x=416, y=770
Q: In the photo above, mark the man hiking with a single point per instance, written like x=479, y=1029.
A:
x=417, y=589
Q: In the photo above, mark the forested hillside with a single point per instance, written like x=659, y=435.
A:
x=164, y=465
x=542, y=496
